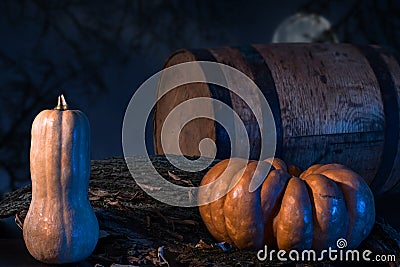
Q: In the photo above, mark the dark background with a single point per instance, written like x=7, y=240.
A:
x=98, y=52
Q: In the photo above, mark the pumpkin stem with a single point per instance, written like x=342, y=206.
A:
x=61, y=103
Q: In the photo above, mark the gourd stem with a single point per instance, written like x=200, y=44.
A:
x=61, y=103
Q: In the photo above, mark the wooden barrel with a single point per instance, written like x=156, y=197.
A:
x=331, y=103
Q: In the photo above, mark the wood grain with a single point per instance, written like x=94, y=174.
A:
x=324, y=89
x=194, y=131
x=329, y=100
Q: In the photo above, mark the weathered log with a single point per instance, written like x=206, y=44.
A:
x=137, y=230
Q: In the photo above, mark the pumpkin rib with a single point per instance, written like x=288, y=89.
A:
x=237, y=201
x=310, y=170
x=57, y=181
x=271, y=201
x=293, y=225
x=330, y=167
x=359, y=202
x=237, y=177
x=222, y=184
x=211, y=176
x=329, y=211
x=82, y=124
x=277, y=163
x=67, y=124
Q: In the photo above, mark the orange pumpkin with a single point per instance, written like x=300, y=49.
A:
x=314, y=210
